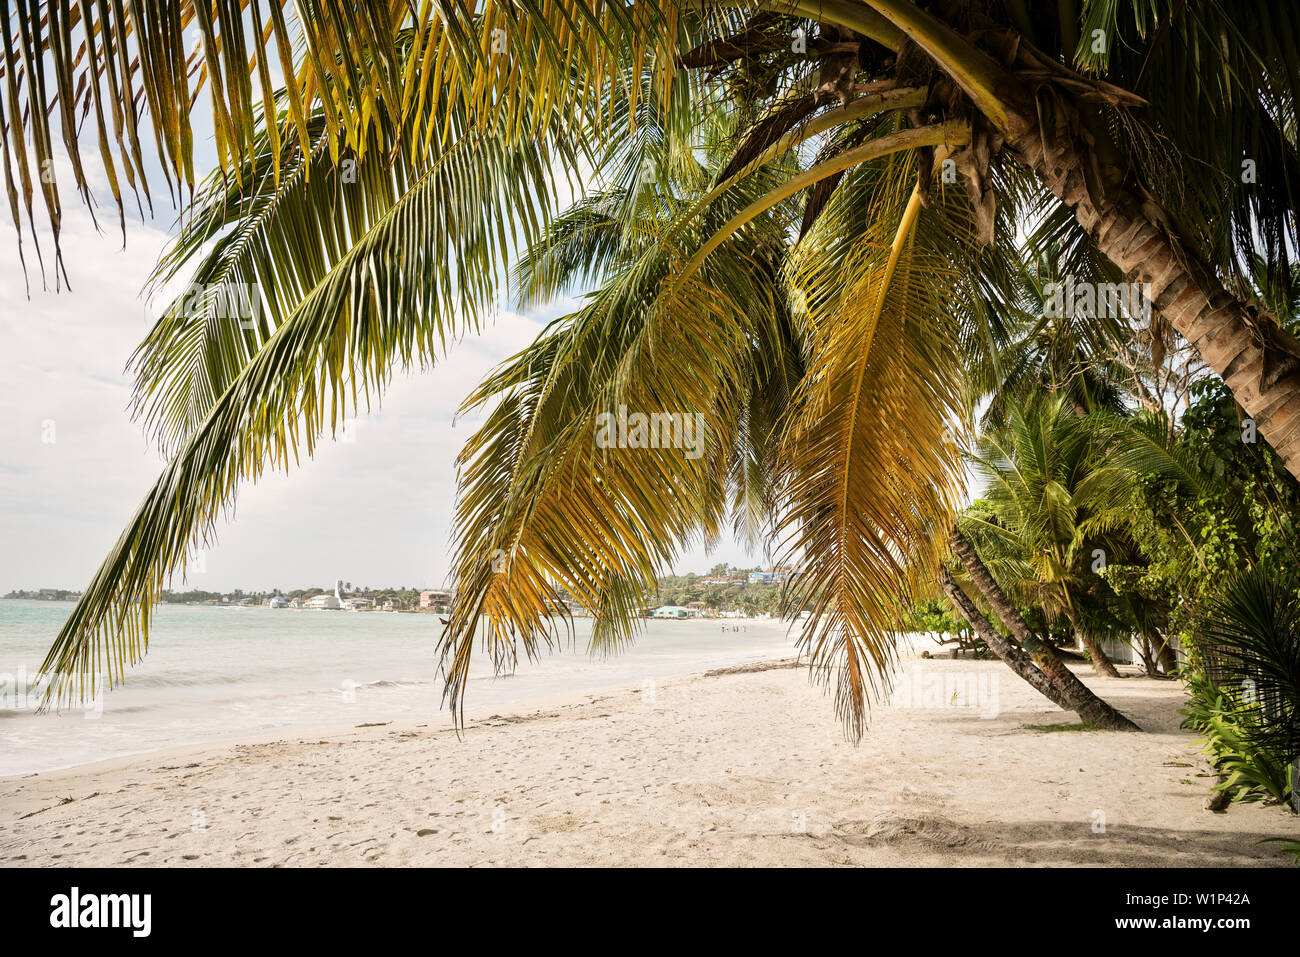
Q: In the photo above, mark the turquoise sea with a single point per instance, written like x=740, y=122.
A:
x=225, y=673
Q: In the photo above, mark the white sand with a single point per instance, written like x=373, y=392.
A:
x=739, y=768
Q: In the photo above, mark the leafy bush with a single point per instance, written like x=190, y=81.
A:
x=1230, y=727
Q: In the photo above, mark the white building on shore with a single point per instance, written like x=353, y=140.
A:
x=330, y=602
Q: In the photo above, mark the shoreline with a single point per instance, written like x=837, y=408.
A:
x=524, y=709
x=303, y=673
x=739, y=765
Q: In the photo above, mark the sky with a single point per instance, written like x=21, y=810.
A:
x=375, y=510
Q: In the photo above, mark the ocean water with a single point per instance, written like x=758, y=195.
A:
x=224, y=673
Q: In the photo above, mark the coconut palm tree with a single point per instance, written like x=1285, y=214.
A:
x=1056, y=512
x=1173, y=177
x=920, y=139
x=1031, y=657
x=1034, y=660
x=604, y=236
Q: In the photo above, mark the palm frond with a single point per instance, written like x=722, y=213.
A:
x=1223, y=83
x=376, y=63
x=546, y=511
x=1252, y=643
x=385, y=300
x=869, y=474
x=262, y=246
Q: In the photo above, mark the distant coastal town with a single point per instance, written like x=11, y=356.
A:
x=724, y=592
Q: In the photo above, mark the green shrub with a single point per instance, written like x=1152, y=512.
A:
x=1230, y=737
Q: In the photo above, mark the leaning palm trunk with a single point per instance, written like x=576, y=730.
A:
x=1101, y=663
x=1008, y=651
x=1167, y=657
x=1078, y=696
x=1256, y=358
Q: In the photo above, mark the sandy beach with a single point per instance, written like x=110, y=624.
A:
x=741, y=766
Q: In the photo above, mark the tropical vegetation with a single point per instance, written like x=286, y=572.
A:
x=835, y=233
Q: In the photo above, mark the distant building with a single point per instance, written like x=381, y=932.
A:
x=327, y=602
x=436, y=600
x=278, y=601
x=775, y=576
x=672, y=611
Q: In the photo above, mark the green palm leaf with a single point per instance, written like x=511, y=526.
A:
x=386, y=300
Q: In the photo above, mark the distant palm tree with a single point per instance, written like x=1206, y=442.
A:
x=1057, y=503
x=372, y=199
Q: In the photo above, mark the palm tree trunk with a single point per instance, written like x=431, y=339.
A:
x=1100, y=663
x=1008, y=651
x=1080, y=696
x=1257, y=360
x=1150, y=661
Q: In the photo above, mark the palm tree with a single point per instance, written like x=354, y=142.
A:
x=610, y=237
x=1105, y=103
x=1056, y=512
x=1033, y=660
x=915, y=141
x=1031, y=657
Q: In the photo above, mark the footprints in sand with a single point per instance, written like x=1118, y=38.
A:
x=928, y=833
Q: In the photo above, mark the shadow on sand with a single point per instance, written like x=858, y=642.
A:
x=1060, y=843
